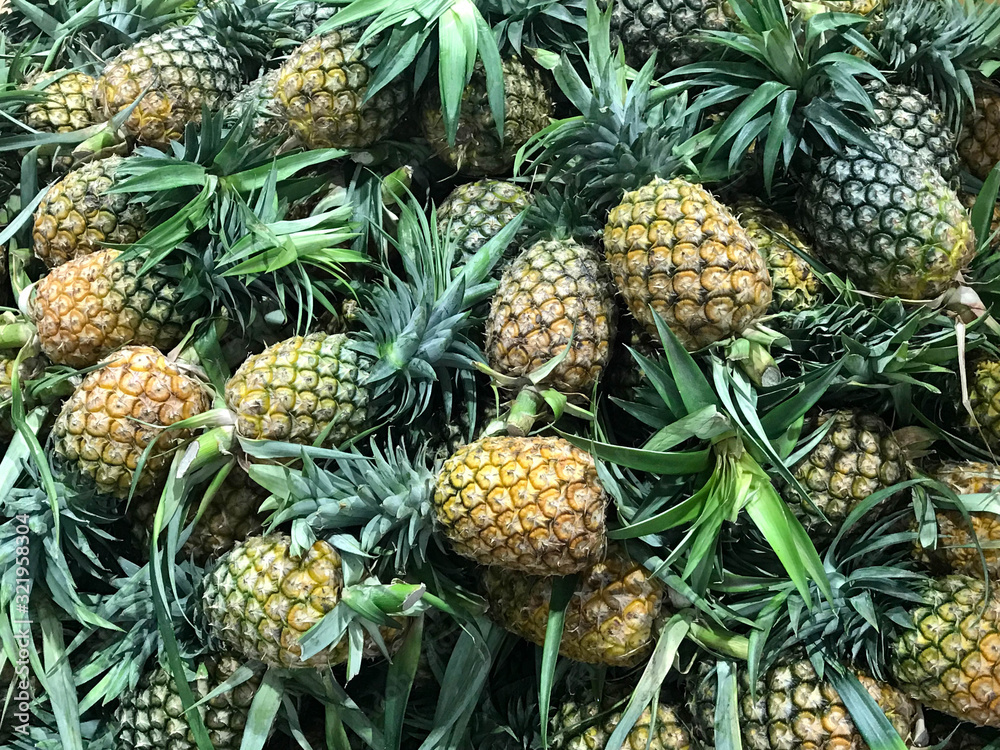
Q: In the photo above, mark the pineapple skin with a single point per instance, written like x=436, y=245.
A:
x=858, y=457
x=118, y=410
x=31, y=368
x=610, y=618
x=258, y=98
x=78, y=215
x=984, y=396
x=796, y=710
x=888, y=221
x=669, y=732
x=89, y=307
x=532, y=505
x=68, y=106
x=950, y=659
x=259, y=600
x=671, y=245
x=478, y=151
x=320, y=93
x=475, y=212
x=297, y=388
x=555, y=294
x=979, y=143
x=186, y=70
x=233, y=516
x=151, y=717
x=666, y=27
x=796, y=286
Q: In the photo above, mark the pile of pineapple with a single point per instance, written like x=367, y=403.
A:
x=486, y=374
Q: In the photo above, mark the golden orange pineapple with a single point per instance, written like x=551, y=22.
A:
x=120, y=409
x=610, y=617
x=529, y=504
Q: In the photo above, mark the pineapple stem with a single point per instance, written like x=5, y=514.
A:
x=725, y=643
x=522, y=414
x=15, y=335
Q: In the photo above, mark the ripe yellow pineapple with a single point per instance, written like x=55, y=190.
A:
x=610, y=617
x=301, y=388
x=556, y=293
x=78, y=215
x=796, y=286
x=120, y=409
x=68, y=105
x=673, y=246
x=321, y=89
x=984, y=396
x=30, y=368
x=478, y=149
x=184, y=69
x=89, y=307
x=949, y=659
x=529, y=504
x=259, y=599
x=956, y=550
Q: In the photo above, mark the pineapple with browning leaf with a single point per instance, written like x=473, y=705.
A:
x=152, y=717
x=117, y=411
x=184, y=68
x=320, y=94
x=673, y=247
x=478, y=150
x=574, y=728
x=87, y=308
x=796, y=286
x=78, y=215
x=533, y=505
x=609, y=619
x=956, y=550
x=795, y=709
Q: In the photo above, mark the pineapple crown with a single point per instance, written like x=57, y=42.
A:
x=385, y=497
x=626, y=132
x=248, y=28
x=939, y=45
x=792, y=83
x=559, y=211
x=418, y=329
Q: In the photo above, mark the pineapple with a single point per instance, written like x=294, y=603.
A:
x=856, y=458
x=89, y=307
x=860, y=7
x=667, y=28
x=30, y=369
x=185, y=69
x=574, y=725
x=610, y=617
x=533, y=505
x=258, y=98
x=473, y=213
x=234, y=515
x=907, y=115
x=796, y=286
x=887, y=219
x=794, y=709
x=956, y=550
x=671, y=245
x=151, y=716
x=117, y=411
x=301, y=389
x=68, y=106
x=984, y=397
x=969, y=201
x=478, y=150
x=949, y=658
x=320, y=93
x=307, y=17
x=979, y=144
x=78, y=215
x=555, y=294
x=260, y=599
